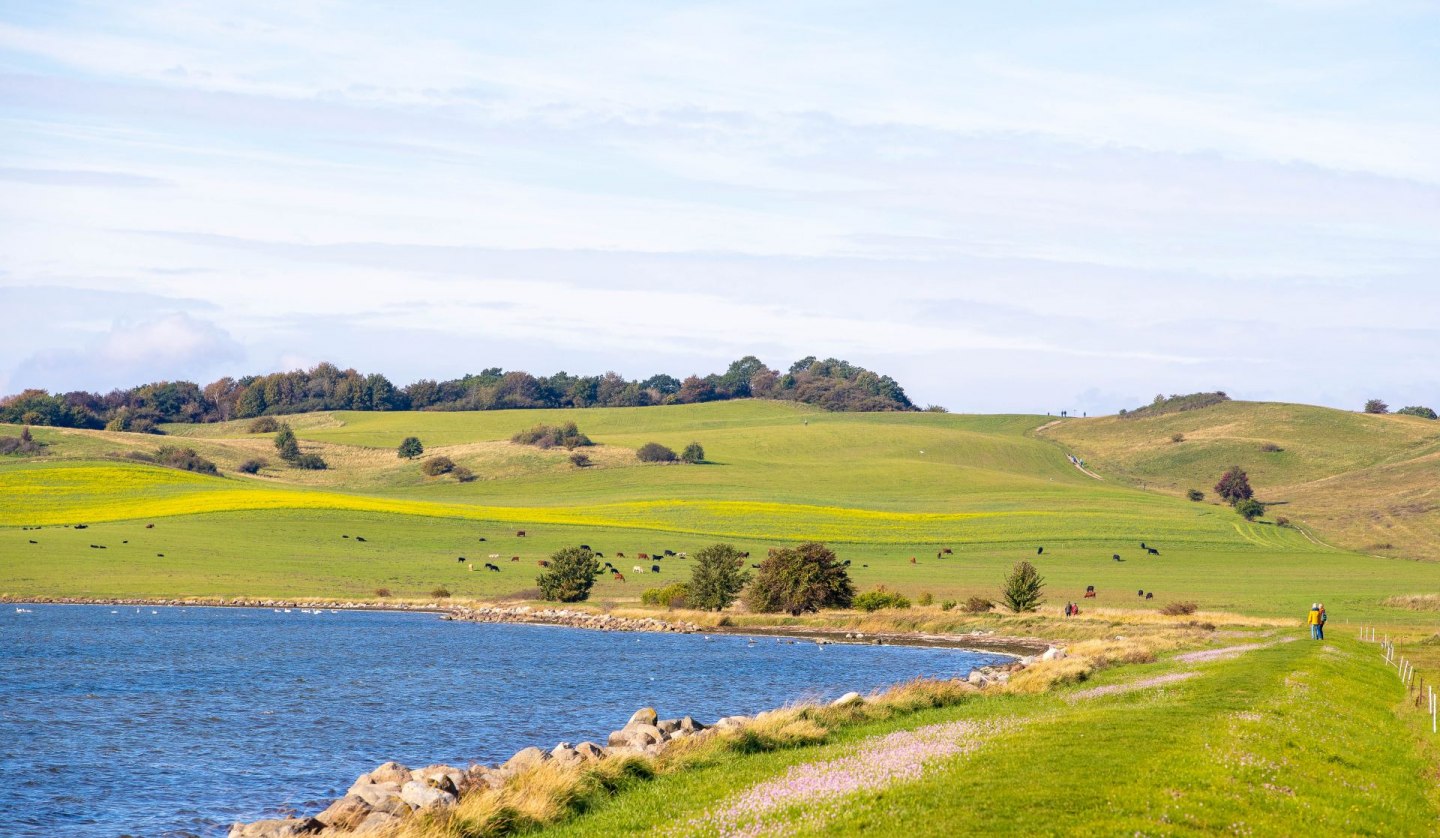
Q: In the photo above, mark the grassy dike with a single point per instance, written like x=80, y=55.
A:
x=1258, y=733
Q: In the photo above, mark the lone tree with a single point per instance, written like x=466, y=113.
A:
x=1250, y=508
x=410, y=448
x=286, y=445
x=717, y=574
x=693, y=453
x=570, y=575
x=800, y=579
x=1376, y=406
x=1234, y=486
x=1022, y=588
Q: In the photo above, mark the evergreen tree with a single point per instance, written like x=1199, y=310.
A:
x=1022, y=588
x=286, y=444
x=410, y=448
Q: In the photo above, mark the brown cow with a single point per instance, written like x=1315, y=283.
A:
x=519, y=533
x=543, y=563
x=947, y=551
x=912, y=560
x=514, y=558
x=642, y=556
x=618, y=576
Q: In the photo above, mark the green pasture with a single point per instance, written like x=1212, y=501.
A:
x=1298, y=738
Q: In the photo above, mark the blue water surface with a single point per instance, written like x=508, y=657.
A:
x=179, y=721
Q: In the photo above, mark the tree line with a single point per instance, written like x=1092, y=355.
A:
x=831, y=384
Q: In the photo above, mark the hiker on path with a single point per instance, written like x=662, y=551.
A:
x=1314, y=620
x=1320, y=626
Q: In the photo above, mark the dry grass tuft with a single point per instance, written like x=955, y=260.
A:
x=1414, y=602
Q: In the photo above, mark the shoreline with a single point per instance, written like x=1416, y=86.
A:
x=1016, y=647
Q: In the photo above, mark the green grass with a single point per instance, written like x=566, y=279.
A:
x=881, y=488
x=1298, y=734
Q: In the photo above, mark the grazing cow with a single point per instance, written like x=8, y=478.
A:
x=1115, y=556
x=912, y=560
x=82, y=526
x=745, y=555
x=619, y=555
x=344, y=536
x=642, y=556
x=34, y=542
x=1150, y=595
x=514, y=558
x=637, y=569
x=1153, y=551
x=491, y=567
x=599, y=555
x=618, y=576
x=159, y=555
x=846, y=562
x=1142, y=546
x=584, y=546
x=863, y=565
x=682, y=554
x=543, y=563
x=459, y=558
x=482, y=538
x=1039, y=551
x=1140, y=593
x=519, y=533
x=125, y=542
x=947, y=551
x=1089, y=588
x=654, y=568
x=359, y=538
x=149, y=526
x=493, y=556
x=1089, y=594
x=669, y=552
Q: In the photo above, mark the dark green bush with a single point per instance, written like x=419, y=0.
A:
x=1195, y=495
x=252, y=466
x=264, y=425
x=674, y=595
x=553, y=436
x=310, y=462
x=654, y=452
x=185, y=459
x=878, y=599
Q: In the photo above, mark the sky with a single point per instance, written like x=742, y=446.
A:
x=1009, y=207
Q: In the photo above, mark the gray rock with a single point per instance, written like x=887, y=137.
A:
x=689, y=725
x=277, y=828
x=346, y=813
x=447, y=778
x=1053, y=654
x=847, y=699
x=668, y=725
x=590, y=751
x=423, y=797
x=564, y=754
x=390, y=772
x=644, y=716
x=527, y=758
x=382, y=797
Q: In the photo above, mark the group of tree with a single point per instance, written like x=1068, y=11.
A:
x=1379, y=406
x=553, y=436
x=1234, y=488
x=22, y=445
x=288, y=448
x=1175, y=403
x=832, y=384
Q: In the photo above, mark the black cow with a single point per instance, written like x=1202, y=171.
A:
x=1150, y=595
x=159, y=555
x=654, y=568
x=1039, y=551
x=82, y=526
x=459, y=558
x=1116, y=557
x=669, y=552
x=34, y=542
x=489, y=566
x=1142, y=546
x=482, y=538
x=1153, y=551
x=344, y=536
x=359, y=538
x=584, y=546
x=1139, y=593
x=599, y=555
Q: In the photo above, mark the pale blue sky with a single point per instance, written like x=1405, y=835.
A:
x=1007, y=206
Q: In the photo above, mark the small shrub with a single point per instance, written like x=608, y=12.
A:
x=264, y=425
x=23, y=444
x=1271, y=448
x=978, y=605
x=184, y=459
x=674, y=595
x=409, y=448
x=580, y=459
x=1282, y=521
x=252, y=466
x=382, y=592
x=1179, y=609
x=925, y=599
x=436, y=466
x=654, y=452
x=1195, y=495
x=1250, y=509
x=440, y=592
x=1177, y=437
x=462, y=474
x=552, y=436
x=875, y=600
x=310, y=462
x=1022, y=588
x=693, y=453
x=947, y=605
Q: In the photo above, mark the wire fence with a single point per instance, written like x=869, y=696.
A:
x=1424, y=694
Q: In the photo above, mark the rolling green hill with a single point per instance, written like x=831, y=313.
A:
x=1365, y=482
x=884, y=489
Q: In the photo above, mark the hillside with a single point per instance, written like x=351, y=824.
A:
x=888, y=491
x=1364, y=482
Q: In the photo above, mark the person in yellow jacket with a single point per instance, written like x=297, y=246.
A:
x=1314, y=620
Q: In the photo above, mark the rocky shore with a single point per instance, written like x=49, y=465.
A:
x=381, y=799
x=569, y=618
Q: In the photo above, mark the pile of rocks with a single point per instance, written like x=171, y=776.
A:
x=985, y=676
x=567, y=617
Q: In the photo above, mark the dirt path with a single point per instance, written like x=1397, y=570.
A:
x=1112, y=689
x=1229, y=651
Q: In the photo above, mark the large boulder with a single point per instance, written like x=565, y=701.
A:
x=424, y=797
x=1054, y=653
x=390, y=772
x=848, y=699
x=689, y=725
x=447, y=778
x=525, y=759
x=276, y=828
x=378, y=822
x=590, y=751
x=382, y=797
x=644, y=716
x=346, y=813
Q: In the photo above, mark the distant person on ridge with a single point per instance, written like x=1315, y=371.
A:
x=1314, y=620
